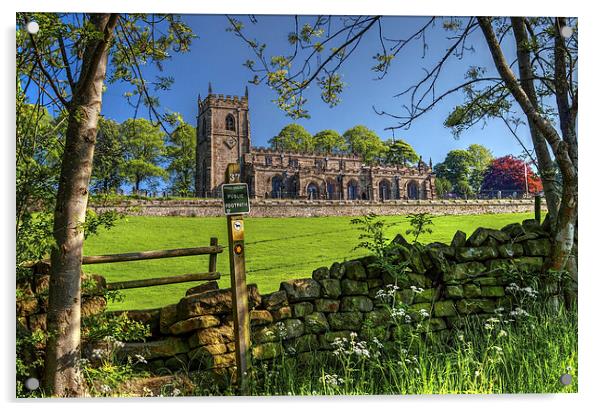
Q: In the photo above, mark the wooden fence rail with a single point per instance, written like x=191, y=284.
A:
x=212, y=250
x=150, y=282
x=144, y=255
x=152, y=255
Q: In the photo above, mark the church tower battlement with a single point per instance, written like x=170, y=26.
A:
x=223, y=136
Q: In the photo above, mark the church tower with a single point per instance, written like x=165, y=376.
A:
x=223, y=136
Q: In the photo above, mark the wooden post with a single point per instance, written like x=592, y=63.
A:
x=538, y=208
x=213, y=257
x=238, y=281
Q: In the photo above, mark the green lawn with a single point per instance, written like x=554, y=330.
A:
x=277, y=248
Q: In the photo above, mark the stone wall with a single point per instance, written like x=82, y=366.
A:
x=445, y=284
x=32, y=297
x=307, y=208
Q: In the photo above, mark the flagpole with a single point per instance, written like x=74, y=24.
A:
x=526, y=180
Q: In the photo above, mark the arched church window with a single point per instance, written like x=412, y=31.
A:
x=230, y=124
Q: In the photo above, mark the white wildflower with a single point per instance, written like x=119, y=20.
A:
x=377, y=342
x=519, y=312
x=389, y=292
x=281, y=330
x=423, y=313
x=502, y=334
x=416, y=290
x=398, y=312
x=332, y=380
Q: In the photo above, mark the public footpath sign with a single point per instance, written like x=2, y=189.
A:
x=236, y=198
x=236, y=203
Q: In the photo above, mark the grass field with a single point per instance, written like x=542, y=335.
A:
x=277, y=248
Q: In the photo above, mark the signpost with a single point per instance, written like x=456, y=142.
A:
x=236, y=203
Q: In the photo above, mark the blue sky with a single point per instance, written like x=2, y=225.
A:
x=217, y=56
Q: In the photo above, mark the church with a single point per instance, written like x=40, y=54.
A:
x=224, y=136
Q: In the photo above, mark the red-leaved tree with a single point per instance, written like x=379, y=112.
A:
x=508, y=173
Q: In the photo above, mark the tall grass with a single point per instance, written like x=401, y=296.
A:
x=499, y=354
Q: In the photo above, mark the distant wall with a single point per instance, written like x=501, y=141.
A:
x=446, y=284
x=307, y=208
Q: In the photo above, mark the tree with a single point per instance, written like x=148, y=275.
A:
x=180, y=151
x=442, y=186
x=544, y=90
x=563, y=145
x=67, y=61
x=400, y=153
x=329, y=141
x=293, y=137
x=456, y=168
x=508, y=173
x=465, y=168
x=480, y=158
x=365, y=143
x=143, y=147
x=108, y=166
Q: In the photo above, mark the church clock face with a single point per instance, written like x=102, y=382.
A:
x=230, y=142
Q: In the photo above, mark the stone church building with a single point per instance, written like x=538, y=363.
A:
x=224, y=136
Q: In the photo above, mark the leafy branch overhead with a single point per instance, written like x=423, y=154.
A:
x=52, y=60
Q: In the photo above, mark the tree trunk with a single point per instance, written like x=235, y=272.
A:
x=62, y=376
x=544, y=160
x=564, y=150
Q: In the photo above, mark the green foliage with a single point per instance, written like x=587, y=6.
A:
x=143, y=149
x=480, y=158
x=485, y=356
x=464, y=169
x=365, y=143
x=109, y=157
x=181, y=154
x=419, y=223
x=119, y=327
x=29, y=358
x=398, y=152
x=293, y=137
x=442, y=186
x=329, y=141
x=372, y=238
x=95, y=221
x=292, y=72
x=38, y=150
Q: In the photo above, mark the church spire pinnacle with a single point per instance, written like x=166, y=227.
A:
x=246, y=91
x=210, y=91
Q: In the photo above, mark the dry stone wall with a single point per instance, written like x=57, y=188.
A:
x=445, y=284
x=307, y=208
x=32, y=298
